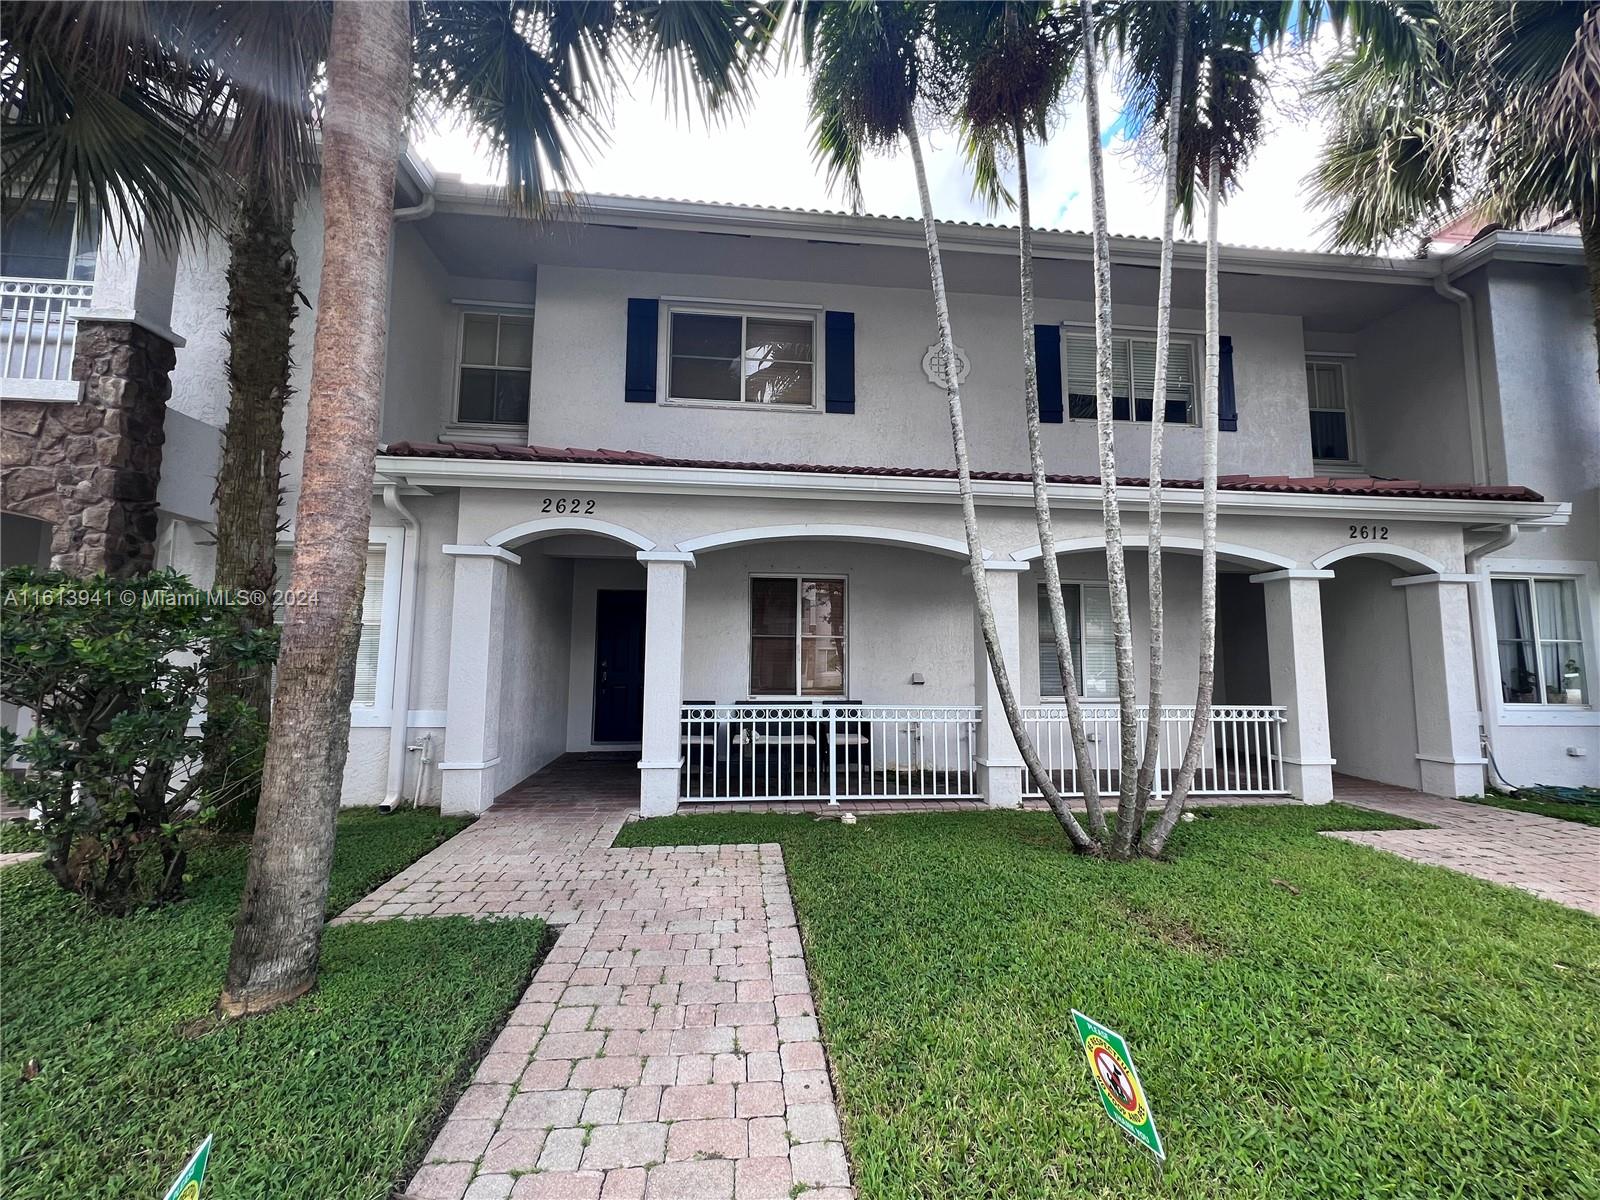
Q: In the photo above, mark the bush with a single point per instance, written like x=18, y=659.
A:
x=114, y=671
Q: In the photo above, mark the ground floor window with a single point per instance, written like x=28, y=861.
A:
x=797, y=635
x=1094, y=653
x=1541, y=647
x=371, y=664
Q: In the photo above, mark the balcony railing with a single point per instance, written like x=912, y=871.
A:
x=38, y=326
x=1243, y=755
x=828, y=752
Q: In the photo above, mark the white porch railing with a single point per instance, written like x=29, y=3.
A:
x=1243, y=757
x=829, y=752
x=38, y=326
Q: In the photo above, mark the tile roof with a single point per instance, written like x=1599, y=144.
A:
x=1314, y=485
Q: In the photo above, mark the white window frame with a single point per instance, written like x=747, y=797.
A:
x=1342, y=362
x=1057, y=697
x=1186, y=337
x=499, y=312
x=744, y=309
x=391, y=541
x=1585, y=643
x=799, y=640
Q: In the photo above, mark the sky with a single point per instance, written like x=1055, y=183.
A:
x=763, y=157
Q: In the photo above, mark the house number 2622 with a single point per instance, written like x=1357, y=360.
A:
x=1369, y=533
x=565, y=505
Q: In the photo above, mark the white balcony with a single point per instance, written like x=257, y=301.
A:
x=38, y=328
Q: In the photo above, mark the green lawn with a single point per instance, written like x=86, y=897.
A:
x=1561, y=810
x=1310, y=1018
x=332, y=1098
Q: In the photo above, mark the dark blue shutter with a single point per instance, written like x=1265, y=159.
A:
x=1227, y=406
x=1047, y=356
x=644, y=320
x=839, y=383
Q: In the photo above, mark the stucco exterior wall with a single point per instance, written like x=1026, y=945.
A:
x=535, y=652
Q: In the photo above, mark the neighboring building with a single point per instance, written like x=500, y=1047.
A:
x=673, y=478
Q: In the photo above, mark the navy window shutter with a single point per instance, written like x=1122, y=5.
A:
x=1047, y=357
x=1227, y=405
x=644, y=321
x=839, y=383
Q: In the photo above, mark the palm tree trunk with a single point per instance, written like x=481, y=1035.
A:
x=1200, y=730
x=1041, y=502
x=263, y=283
x=279, y=929
x=1081, y=841
x=1116, y=561
x=1589, y=229
x=1158, y=428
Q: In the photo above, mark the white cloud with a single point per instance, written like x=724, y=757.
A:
x=763, y=157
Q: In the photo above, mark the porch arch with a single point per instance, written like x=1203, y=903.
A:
x=1410, y=561
x=881, y=535
x=1266, y=560
x=515, y=535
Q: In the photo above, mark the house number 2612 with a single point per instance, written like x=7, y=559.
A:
x=1369, y=533
x=562, y=504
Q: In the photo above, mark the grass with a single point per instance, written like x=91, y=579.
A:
x=1561, y=810
x=1310, y=1018
x=16, y=838
x=333, y=1096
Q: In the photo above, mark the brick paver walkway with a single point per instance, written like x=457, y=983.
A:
x=1559, y=860
x=667, y=1048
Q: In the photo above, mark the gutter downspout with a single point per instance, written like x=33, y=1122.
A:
x=400, y=695
x=1480, y=601
x=416, y=212
x=1471, y=371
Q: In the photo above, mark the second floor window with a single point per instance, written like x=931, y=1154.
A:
x=1133, y=378
x=38, y=245
x=1094, y=653
x=496, y=369
x=1538, y=629
x=756, y=357
x=797, y=636
x=1330, y=411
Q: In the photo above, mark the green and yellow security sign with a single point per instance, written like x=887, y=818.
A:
x=1120, y=1090
x=187, y=1185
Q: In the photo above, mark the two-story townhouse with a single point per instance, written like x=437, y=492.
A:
x=674, y=479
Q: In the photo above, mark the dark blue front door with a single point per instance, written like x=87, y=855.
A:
x=618, y=666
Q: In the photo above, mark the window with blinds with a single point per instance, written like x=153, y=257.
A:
x=1330, y=410
x=370, y=648
x=1094, y=654
x=1133, y=378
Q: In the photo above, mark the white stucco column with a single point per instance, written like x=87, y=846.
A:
x=1443, y=686
x=472, y=716
x=1299, y=678
x=661, y=747
x=134, y=278
x=999, y=760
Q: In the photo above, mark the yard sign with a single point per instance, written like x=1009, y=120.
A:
x=187, y=1185
x=1120, y=1090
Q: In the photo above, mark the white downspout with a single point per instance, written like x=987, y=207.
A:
x=1480, y=599
x=1471, y=372
x=400, y=696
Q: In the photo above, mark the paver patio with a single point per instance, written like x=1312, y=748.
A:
x=667, y=1048
x=1558, y=860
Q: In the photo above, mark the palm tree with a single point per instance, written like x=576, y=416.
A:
x=1441, y=108
x=529, y=77
x=1015, y=59
x=867, y=82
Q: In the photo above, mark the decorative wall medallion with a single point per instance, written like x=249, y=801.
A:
x=933, y=365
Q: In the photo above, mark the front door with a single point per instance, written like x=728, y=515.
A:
x=618, y=666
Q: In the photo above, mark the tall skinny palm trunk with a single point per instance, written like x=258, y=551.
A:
x=1116, y=562
x=1081, y=841
x=263, y=282
x=1158, y=427
x=1041, y=502
x=1200, y=731
x=279, y=929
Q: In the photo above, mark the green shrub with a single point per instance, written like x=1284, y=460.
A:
x=114, y=670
